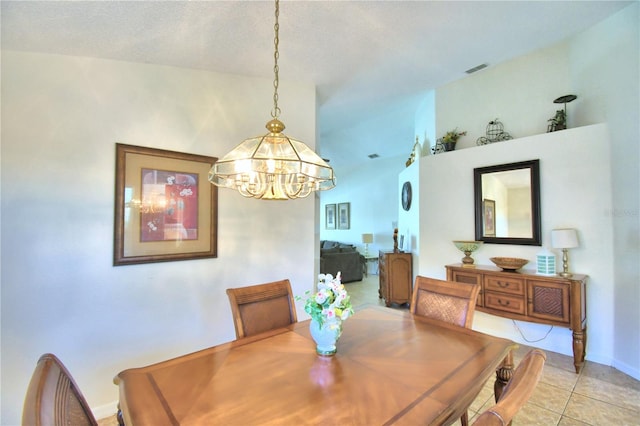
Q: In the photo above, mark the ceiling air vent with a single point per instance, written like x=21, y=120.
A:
x=476, y=68
x=372, y=156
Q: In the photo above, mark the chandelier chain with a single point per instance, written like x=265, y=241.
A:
x=276, y=110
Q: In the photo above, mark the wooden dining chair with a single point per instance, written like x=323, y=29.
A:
x=53, y=397
x=517, y=392
x=448, y=301
x=262, y=307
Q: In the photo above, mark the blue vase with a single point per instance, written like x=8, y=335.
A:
x=326, y=336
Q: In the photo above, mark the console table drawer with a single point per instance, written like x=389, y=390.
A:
x=504, y=302
x=504, y=285
x=471, y=278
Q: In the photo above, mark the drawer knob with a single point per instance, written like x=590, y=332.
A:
x=503, y=285
x=503, y=303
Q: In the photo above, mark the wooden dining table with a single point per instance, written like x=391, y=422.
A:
x=390, y=368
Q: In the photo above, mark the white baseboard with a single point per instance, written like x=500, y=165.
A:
x=627, y=369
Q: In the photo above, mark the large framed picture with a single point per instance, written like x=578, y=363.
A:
x=343, y=215
x=165, y=208
x=489, y=218
x=330, y=216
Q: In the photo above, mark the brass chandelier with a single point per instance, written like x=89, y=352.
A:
x=273, y=166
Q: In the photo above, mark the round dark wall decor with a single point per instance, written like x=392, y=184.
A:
x=406, y=196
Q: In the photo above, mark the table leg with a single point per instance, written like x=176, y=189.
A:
x=503, y=375
x=579, y=348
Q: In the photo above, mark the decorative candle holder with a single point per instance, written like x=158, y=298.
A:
x=546, y=263
x=467, y=247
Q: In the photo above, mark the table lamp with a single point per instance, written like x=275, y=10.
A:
x=367, y=239
x=564, y=239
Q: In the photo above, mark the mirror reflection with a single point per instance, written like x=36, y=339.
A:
x=507, y=202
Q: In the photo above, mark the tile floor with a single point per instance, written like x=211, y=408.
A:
x=599, y=395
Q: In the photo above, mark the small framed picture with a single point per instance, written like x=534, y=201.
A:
x=489, y=218
x=330, y=216
x=343, y=215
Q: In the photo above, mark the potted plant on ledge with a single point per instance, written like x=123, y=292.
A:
x=450, y=139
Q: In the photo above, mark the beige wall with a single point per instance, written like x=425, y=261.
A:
x=605, y=68
x=567, y=159
x=600, y=66
x=61, y=118
x=519, y=93
x=370, y=190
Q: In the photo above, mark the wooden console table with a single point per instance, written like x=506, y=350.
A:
x=525, y=296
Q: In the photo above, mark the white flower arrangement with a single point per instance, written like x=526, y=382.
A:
x=330, y=303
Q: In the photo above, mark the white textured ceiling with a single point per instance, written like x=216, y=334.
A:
x=368, y=59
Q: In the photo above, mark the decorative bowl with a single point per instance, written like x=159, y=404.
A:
x=509, y=263
x=467, y=245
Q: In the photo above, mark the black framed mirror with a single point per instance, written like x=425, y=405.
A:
x=507, y=203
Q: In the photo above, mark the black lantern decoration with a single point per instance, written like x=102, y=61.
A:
x=495, y=133
x=559, y=121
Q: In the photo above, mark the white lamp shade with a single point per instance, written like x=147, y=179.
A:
x=367, y=238
x=564, y=238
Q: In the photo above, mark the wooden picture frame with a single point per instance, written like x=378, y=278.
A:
x=330, y=216
x=344, y=219
x=165, y=208
x=488, y=218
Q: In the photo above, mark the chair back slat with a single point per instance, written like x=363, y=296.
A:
x=262, y=307
x=448, y=301
x=53, y=398
x=517, y=392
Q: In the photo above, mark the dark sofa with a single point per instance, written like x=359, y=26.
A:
x=344, y=258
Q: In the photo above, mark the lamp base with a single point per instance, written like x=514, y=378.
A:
x=565, y=264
